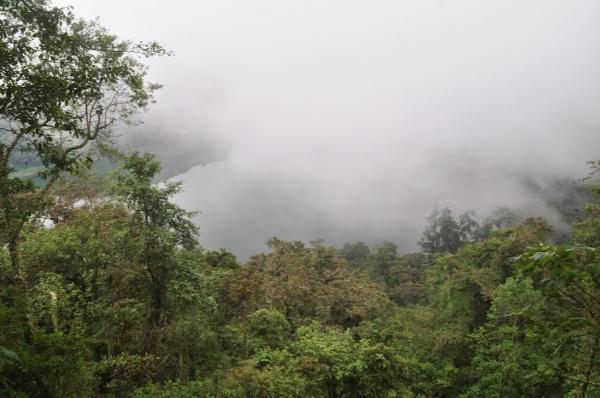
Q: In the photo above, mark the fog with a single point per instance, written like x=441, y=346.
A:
x=352, y=120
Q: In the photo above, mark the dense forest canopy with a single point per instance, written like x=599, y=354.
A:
x=106, y=292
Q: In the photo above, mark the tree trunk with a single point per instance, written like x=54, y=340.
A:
x=21, y=279
x=590, y=367
x=156, y=307
x=183, y=375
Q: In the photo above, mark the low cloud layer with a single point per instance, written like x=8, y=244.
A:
x=350, y=120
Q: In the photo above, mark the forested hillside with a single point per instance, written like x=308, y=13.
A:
x=106, y=292
x=116, y=299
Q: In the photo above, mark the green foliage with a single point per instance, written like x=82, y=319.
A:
x=122, y=374
x=355, y=253
x=518, y=354
x=124, y=302
x=445, y=234
x=335, y=362
x=319, y=362
x=442, y=235
x=193, y=389
x=133, y=183
x=381, y=259
x=65, y=85
x=403, y=276
x=569, y=279
x=220, y=259
x=405, y=279
x=8, y=359
x=117, y=299
x=304, y=284
x=500, y=218
x=63, y=74
x=268, y=328
x=61, y=365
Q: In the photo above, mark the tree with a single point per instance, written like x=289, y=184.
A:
x=268, y=328
x=355, y=253
x=569, y=278
x=159, y=225
x=468, y=227
x=501, y=217
x=381, y=259
x=586, y=230
x=93, y=279
x=303, y=283
x=65, y=84
x=406, y=279
x=518, y=352
x=442, y=234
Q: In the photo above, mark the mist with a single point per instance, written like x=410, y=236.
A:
x=352, y=120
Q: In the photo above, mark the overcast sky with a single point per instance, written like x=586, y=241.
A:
x=349, y=120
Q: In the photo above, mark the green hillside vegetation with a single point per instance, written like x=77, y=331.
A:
x=106, y=292
x=123, y=302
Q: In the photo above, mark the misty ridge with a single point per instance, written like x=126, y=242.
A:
x=322, y=121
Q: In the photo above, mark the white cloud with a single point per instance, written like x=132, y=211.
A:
x=352, y=119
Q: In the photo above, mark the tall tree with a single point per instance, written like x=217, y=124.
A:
x=442, y=234
x=64, y=85
x=355, y=253
x=160, y=225
x=381, y=259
